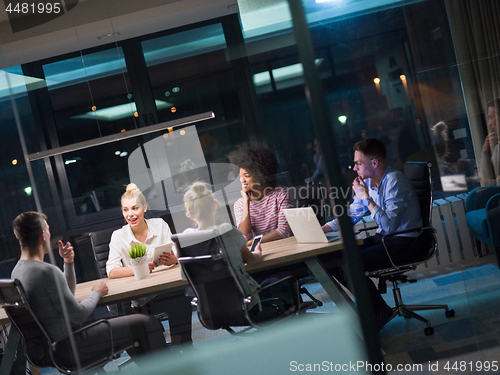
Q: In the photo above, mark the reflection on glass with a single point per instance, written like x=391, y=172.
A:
x=90, y=96
x=15, y=186
x=97, y=175
x=190, y=72
x=381, y=79
x=86, y=93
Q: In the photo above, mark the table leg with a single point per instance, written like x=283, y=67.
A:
x=9, y=354
x=336, y=293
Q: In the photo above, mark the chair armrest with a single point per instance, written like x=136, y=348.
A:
x=200, y=258
x=97, y=322
x=365, y=229
x=493, y=217
x=479, y=197
x=404, y=231
x=284, y=279
x=401, y=232
x=290, y=280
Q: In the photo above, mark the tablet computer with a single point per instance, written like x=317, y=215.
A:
x=166, y=248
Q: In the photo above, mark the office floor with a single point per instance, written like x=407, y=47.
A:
x=470, y=341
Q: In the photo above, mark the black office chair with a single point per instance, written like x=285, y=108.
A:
x=311, y=194
x=100, y=246
x=40, y=350
x=221, y=299
x=419, y=175
x=99, y=241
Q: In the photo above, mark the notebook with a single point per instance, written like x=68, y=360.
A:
x=306, y=227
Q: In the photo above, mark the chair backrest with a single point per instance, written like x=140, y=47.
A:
x=100, y=245
x=36, y=340
x=311, y=194
x=419, y=174
x=203, y=259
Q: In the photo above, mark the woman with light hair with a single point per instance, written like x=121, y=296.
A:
x=201, y=207
x=152, y=233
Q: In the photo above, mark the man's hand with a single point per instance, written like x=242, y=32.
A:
x=326, y=228
x=66, y=252
x=101, y=288
x=360, y=188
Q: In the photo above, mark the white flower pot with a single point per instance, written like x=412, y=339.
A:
x=140, y=267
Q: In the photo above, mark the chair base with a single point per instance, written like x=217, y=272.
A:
x=408, y=311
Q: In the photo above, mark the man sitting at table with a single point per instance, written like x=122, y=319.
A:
x=393, y=204
x=41, y=280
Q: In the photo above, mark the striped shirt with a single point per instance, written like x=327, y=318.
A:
x=266, y=215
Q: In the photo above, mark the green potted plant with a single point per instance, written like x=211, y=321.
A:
x=139, y=261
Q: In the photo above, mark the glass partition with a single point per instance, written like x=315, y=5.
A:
x=402, y=71
x=384, y=80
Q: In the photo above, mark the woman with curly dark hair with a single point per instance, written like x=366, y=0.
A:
x=259, y=211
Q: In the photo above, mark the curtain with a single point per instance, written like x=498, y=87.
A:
x=475, y=27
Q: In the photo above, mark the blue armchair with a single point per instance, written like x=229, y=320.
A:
x=483, y=217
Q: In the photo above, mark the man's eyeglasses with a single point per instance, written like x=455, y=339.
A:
x=360, y=163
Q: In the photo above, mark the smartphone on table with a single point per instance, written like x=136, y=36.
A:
x=255, y=241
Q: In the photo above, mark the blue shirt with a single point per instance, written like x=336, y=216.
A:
x=397, y=208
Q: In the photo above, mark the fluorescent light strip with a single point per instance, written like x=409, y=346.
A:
x=118, y=112
x=281, y=74
x=120, y=136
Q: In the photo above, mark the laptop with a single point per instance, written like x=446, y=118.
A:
x=306, y=227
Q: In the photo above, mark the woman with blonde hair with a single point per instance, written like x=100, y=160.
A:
x=201, y=207
x=152, y=233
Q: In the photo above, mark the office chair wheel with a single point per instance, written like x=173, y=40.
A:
x=429, y=331
x=450, y=313
x=407, y=316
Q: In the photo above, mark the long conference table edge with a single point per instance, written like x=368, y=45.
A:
x=275, y=254
x=162, y=279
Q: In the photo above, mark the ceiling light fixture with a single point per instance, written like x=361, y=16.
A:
x=108, y=35
x=170, y=125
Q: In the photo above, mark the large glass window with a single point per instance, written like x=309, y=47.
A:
x=91, y=93
x=383, y=80
x=190, y=73
x=15, y=186
x=91, y=97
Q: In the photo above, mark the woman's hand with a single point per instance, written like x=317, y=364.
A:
x=168, y=259
x=250, y=257
x=152, y=266
x=258, y=250
x=490, y=140
x=245, y=196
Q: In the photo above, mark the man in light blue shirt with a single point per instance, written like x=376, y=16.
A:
x=394, y=206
